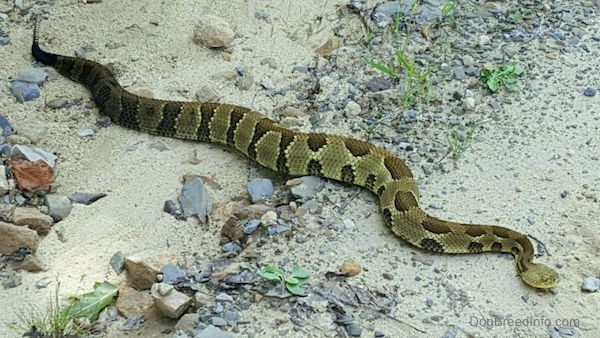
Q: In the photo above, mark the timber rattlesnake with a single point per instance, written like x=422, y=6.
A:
x=296, y=154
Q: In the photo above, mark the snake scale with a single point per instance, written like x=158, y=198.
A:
x=296, y=153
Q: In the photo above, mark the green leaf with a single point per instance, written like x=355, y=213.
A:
x=292, y=280
x=274, y=269
x=385, y=69
x=300, y=272
x=268, y=275
x=90, y=304
x=295, y=289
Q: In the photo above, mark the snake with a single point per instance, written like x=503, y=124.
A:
x=295, y=153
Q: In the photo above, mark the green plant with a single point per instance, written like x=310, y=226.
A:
x=293, y=282
x=417, y=84
x=458, y=145
x=516, y=17
x=502, y=76
x=58, y=321
x=448, y=9
x=397, y=23
x=367, y=34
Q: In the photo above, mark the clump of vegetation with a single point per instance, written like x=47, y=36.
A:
x=417, y=84
x=459, y=144
x=70, y=321
x=503, y=76
x=293, y=282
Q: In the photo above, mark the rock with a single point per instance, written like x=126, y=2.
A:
x=171, y=273
x=195, y=200
x=7, y=129
x=329, y=46
x=308, y=188
x=212, y=331
x=14, y=237
x=231, y=247
x=132, y=302
x=32, y=75
x=85, y=198
x=269, y=218
x=34, y=219
x=6, y=211
x=223, y=297
x=59, y=206
x=24, y=91
x=29, y=263
x=202, y=299
x=86, y=132
x=353, y=329
x=170, y=303
x=117, y=262
x=590, y=284
x=33, y=154
x=207, y=93
x=4, y=186
x=469, y=104
x=218, y=321
x=352, y=109
x=348, y=224
x=350, y=268
x=251, y=226
x=245, y=82
x=589, y=91
x=213, y=32
x=260, y=189
x=187, y=322
x=143, y=267
x=32, y=176
x=378, y=84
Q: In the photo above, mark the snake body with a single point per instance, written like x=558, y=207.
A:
x=296, y=153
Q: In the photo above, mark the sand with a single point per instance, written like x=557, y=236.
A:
x=553, y=148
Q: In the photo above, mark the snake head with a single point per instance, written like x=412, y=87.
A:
x=540, y=276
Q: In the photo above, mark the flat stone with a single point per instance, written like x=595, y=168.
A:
x=33, y=218
x=171, y=305
x=187, y=322
x=13, y=237
x=132, y=302
x=143, y=267
x=212, y=331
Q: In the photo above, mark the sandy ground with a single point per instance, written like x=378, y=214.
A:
x=554, y=137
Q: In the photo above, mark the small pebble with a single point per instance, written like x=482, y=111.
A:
x=260, y=189
x=195, y=199
x=353, y=329
x=223, y=297
x=231, y=247
x=24, y=91
x=171, y=273
x=251, y=226
x=87, y=132
x=350, y=268
x=590, y=284
x=589, y=91
x=218, y=321
x=86, y=198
